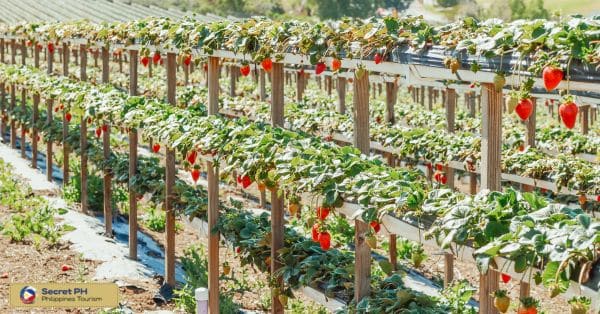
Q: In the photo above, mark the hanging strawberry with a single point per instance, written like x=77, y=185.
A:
x=552, y=76
x=156, y=147
x=524, y=108
x=320, y=68
x=568, y=113
x=378, y=58
x=68, y=116
x=315, y=232
x=191, y=156
x=322, y=212
x=105, y=128
x=145, y=61
x=511, y=102
x=325, y=240
x=267, y=64
x=499, y=81
x=246, y=182
x=205, y=67
x=51, y=47
x=375, y=225
x=187, y=60
x=98, y=132
x=195, y=174
x=505, y=277
x=336, y=64
x=245, y=69
x=156, y=58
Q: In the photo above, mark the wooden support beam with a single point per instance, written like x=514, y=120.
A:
x=232, y=79
x=133, y=159
x=49, y=105
x=2, y=45
x=430, y=98
x=23, y=135
x=263, y=85
x=393, y=251
x=65, y=131
x=34, y=131
x=341, y=90
x=23, y=52
x=213, y=191
x=170, y=173
x=277, y=223
x=83, y=136
x=391, y=95
x=450, y=106
x=491, y=145
x=585, y=116
x=2, y=110
x=362, y=140
x=448, y=269
x=530, y=126
x=107, y=180
x=13, y=123
x=329, y=83
x=36, y=56
x=13, y=51
x=299, y=85
x=422, y=96
x=186, y=73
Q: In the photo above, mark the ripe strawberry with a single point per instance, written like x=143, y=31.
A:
x=552, y=77
x=68, y=116
x=322, y=212
x=187, y=60
x=246, y=181
x=428, y=165
x=28, y=43
x=315, y=232
x=145, y=61
x=378, y=58
x=472, y=85
x=568, y=114
x=598, y=198
x=51, y=47
x=437, y=176
x=320, y=68
x=37, y=139
x=239, y=179
x=191, y=156
x=238, y=250
x=89, y=120
x=39, y=46
x=205, y=67
x=195, y=174
x=66, y=267
x=524, y=108
x=505, y=277
x=267, y=64
x=378, y=119
x=328, y=138
x=104, y=127
x=62, y=106
x=325, y=240
x=375, y=225
x=156, y=57
x=443, y=179
x=156, y=147
x=56, y=109
x=161, y=62
x=98, y=132
x=439, y=167
x=521, y=148
x=336, y=64
x=245, y=69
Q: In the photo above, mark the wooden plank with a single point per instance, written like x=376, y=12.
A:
x=13, y=51
x=391, y=96
x=133, y=160
x=83, y=136
x=277, y=222
x=491, y=149
x=13, y=125
x=450, y=106
x=585, y=116
x=430, y=98
x=23, y=137
x=530, y=126
x=170, y=173
x=23, y=52
x=233, y=70
x=34, y=131
x=448, y=269
x=213, y=192
x=49, y=105
x=341, y=90
x=65, y=131
x=2, y=109
x=107, y=182
x=299, y=85
x=362, y=270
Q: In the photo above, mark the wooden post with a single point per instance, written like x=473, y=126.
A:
x=23, y=107
x=391, y=95
x=106, y=150
x=83, y=136
x=450, y=106
x=277, y=223
x=329, y=84
x=36, y=56
x=585, y=116
x=49, y=60
x=13, y=125
x=263, y=87
x=170, y=174
x=362, y=140
x=49, y=105
x=186, y=72
x=491, y=145
x=65, y=132
x=2, y=110
x=13, y=51
x=34, y=131
x=120, y=60
x=448, y=269
x=422, y=97
x=430, y=98
x=213, y=191
x=530, y=137
x=133, y=159
x=232, y=80
x=23, y=52
x=299, y=85
x=341, y=90
x=2, y=44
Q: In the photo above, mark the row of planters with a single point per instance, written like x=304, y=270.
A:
x=300, y=163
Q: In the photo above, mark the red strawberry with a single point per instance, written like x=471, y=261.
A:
x=378, y=58
x=66, y=267
x=191, y=157
x=160, y=62
x=598, y=198
x=439, y=167
x=267, y=64
x=246, y=181
x=568, y=114
x=552, y=77
x=472, y=85
x=104, y=127
x=56, y=109
x=138, y=197
x=521, y=147
x=524, y=108
x=239, y=179
x=68, y=116
x=62, y=106
x=325, y=240
x=50, y=47
x=187, y=60
x=375, y=225
x=443, y=179
x=320, y=67
x=156, y=147
x=205, y=67
x=428, y=165
x=437, y=176
x=378, y=119
x=145, y=60
x=322, y=212
x=98, y=132
x=505, y=277
x=245, y=69
x=89, y=120
x=315, y=232
x=156, y=57
x=28, y=43
x=328, y=138
x=336, y=64
x=39, y=46
x=238, y=250
x=37, y=139
x=195, y=174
